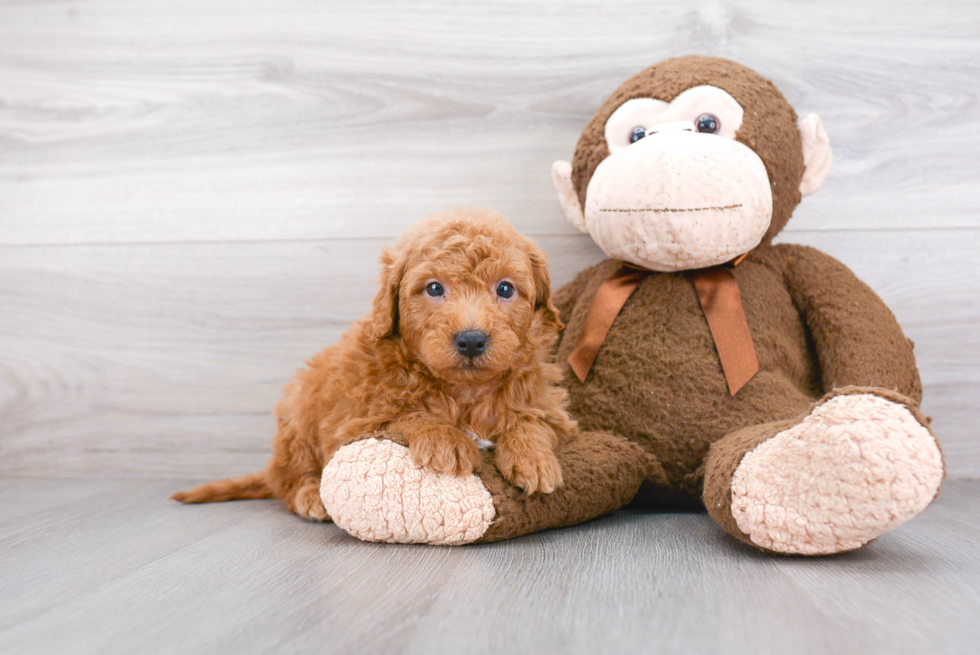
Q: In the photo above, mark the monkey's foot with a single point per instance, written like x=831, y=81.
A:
x=373, y=490
x=854, y=468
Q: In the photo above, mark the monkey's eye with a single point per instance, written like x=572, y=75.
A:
x=505, y=289
x=708, y=124
x=638, y=133
x=434, y=289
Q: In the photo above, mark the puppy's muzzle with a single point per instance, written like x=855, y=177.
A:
x=471, y=343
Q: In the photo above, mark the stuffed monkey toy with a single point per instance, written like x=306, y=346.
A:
x=706, y=366
x=768, y=381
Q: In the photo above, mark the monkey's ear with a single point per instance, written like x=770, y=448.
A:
x=816, y=154
x=383, y=319
x=543, y=304
x=561, y=175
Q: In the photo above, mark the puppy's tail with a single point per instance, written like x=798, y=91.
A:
x=246, y=487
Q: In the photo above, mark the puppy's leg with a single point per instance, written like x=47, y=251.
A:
x=526, y=457
x=435, y=443
x=304, y=500
x=295, y=473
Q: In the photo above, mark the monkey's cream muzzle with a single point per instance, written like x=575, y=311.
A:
x=679, y=200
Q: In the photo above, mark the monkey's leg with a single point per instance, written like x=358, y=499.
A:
x=860, y=463
x=372, y=490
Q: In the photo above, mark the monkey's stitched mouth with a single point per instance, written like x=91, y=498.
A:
x=661, y=210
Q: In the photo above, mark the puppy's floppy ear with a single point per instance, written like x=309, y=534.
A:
x=542, y=287
x=383, y=319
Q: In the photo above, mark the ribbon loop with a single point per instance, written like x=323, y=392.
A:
x=606, y=305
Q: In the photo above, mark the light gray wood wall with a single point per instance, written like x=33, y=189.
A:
x=193, y=195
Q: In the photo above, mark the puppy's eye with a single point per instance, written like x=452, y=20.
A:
x=505, y=290
x=434, y=289
x=637, y=133
x=707, y=124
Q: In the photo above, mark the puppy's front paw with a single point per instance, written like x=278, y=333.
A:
x=449, y=451
x=531, y=470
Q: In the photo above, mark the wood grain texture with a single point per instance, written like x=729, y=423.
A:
x=287, y=120
x=114, y=567
x=193, y=195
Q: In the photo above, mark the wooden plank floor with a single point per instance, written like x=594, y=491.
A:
x=90, y=566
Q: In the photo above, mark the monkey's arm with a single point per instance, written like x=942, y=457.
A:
x=858, y=341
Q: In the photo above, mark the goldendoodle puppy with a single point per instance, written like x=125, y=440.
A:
x=455, y=355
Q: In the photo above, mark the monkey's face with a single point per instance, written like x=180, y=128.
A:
x=677, y=191
x=674, y=185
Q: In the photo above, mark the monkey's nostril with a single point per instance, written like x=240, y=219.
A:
x=471, y=343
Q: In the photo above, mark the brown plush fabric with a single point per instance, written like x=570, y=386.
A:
x=855, y=336
x=768, y=126
x=602, y=473
x=657, y=378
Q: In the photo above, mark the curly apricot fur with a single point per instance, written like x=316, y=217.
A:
x=398, y=370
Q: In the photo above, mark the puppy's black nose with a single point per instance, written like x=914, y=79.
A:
x=471, y=343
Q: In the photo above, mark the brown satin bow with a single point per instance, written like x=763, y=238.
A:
x=720, y=300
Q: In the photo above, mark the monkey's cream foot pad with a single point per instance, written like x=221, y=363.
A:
x=853, y=469
x=373, y=491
